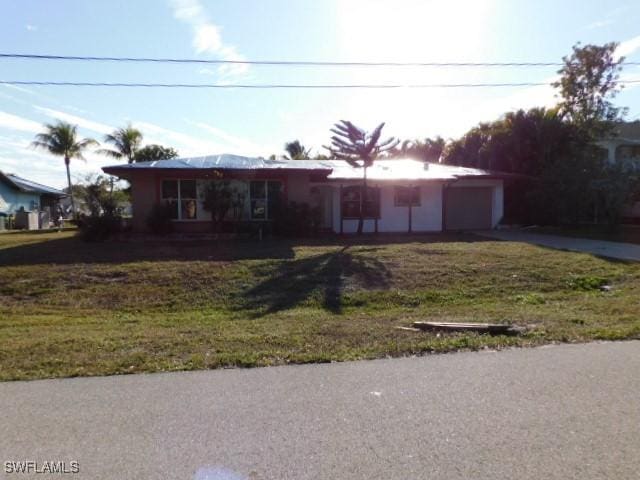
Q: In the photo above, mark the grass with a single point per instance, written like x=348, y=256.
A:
x=69, y=308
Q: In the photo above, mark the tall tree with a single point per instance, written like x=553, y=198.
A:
x=588, y=83
x=154, y=152
x=359, y=149
x=126, y=142
x=61, y=139
x=297, y=151
x=96, y=192
x=535, y=143
x=427, y=150
x=520, y=142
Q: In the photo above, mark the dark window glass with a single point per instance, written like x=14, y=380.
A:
x=351, y=202
x=169, y=189
x=274, y=196
x=188, y=189
x=405, y=196
x=258, y=192
x=188, y=200
x=265, y=197
x=258, y=209
x=174, y=210
x=371, y=209
x=258, y=189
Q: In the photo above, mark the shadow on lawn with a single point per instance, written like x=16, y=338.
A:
x=326, y=275
x=72, y=250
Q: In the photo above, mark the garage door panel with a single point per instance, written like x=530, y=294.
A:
x=468, y=208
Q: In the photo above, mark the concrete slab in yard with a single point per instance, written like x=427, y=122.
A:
x=617, y=250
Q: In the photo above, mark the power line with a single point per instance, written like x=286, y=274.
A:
x=282, y=86
x=283, y=62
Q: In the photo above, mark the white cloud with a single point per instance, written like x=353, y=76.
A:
x=244, y=146
x=80, y=121
x=187, y=10
x=17, y=88
x=232, y=69
x=628, y=47
x=599, y=24
x=187, y=145
x=607, y=19
x=13, y=122
x=207, y=37
x=207, y=71
x=31, y=28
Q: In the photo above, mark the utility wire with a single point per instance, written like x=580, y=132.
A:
x=284, y=62
x=281, y=86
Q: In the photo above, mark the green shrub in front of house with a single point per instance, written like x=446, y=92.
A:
x=160, y=219
x=295, y=219
x=98, y=228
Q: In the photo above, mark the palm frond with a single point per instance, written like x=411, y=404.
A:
x=87, y=142
x=40, y=144
x=109, y=153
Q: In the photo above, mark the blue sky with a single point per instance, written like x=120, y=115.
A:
x=258, y=122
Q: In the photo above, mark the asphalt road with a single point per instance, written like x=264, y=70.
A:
x=559, y=412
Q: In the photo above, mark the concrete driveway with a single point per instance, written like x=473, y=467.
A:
x=617, y=250
x=559, y=412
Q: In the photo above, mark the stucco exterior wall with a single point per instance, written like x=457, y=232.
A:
x=424, y=218
x=11, y=200
x=427, y=217
x=144, y=192
x=143, y=197
x=299, y=188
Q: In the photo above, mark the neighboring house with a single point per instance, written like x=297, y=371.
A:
x=17, y=193
x=623, y=146
x=81, y=206
x=403, y=195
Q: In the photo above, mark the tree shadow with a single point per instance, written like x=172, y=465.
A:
x=325, y=276
x=382, y=239
x=72, y=250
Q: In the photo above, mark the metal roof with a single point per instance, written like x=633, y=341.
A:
x=29, y=186
x=401, y=169
x=225, y=162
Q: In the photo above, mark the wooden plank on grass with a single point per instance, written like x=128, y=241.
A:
x=492, y=328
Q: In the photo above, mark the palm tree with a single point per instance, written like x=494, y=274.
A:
x=126, y=142
x=62, y=139
x=359, y=149
x=296, y=150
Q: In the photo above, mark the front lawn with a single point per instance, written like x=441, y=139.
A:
x=72, y=308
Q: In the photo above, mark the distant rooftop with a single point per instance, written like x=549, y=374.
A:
x=25, y=185
x=400, y=169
